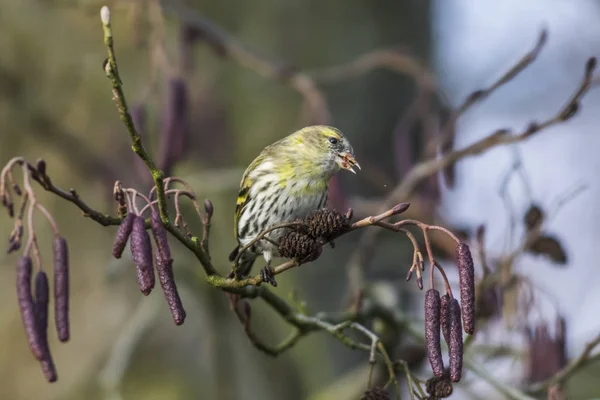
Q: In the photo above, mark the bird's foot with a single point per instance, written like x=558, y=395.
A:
x=266, y=275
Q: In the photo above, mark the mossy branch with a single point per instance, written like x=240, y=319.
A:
x=112, y=72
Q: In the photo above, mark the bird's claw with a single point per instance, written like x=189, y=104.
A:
x=266, y=275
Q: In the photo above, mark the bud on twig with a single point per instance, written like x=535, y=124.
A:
x=400, y=208
x=105, y=15
x=533, y=217
x=432, y=331
x=15, y=238
x=7, y=202
x=40, y=166
x=208, y=208
x=61, y=288
x=123, y=235
x=41, y=309
x=569, y=112
x=445, y=317
x=17, y=189
x=27, y=307
x=141, y=249
x=455, y=344
x=167, y=282
x=466, y=272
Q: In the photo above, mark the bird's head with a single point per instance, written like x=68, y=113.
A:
x=328, y=147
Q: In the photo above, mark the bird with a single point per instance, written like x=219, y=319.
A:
x=288, y=180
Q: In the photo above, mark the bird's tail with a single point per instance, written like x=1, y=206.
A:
x=245, y=263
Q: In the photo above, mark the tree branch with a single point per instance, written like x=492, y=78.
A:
x=226, y=46
x=575, y=365
x=112, y=72
x=421, y=171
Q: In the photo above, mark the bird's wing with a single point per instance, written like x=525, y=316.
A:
x=244, y=193
x=242, y=201
x=249, y=179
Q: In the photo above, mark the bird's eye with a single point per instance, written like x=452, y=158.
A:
x=333, y=140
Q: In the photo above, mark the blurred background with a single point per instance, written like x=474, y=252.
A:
x=210, y=83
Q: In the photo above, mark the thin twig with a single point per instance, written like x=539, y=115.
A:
x=337, y=332
x=508, y=391
x=575, y=365
x=391, y=59
x=421, y=171
x=49, y=217
x=226, y=46
x=482, y=94
x=112, y=73
x=409, y=380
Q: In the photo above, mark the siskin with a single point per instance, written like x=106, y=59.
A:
x=288, y=180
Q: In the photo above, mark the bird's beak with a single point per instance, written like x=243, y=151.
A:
x=347, y=161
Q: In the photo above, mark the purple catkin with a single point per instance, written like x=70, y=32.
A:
x=41, y=310
x=123, y=235
x=48, y=368
x=160, y=236
x=432, y=331
x=174, y=133
x=445, y=317
x=141, y=250
x=455, y=345
x=466, y=272
x=61, y=288
x=167, y=282
x=27, y=307
x=41, y=301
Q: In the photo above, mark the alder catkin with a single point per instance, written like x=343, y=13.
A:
x=141, y=250
x=123, y=235
x=160, y=236
x=42, y=298
x=41, y=301
x=61, y=287
x=455, y=345
x=466, y=272
x=27, y=307
x=169, y=287
x=445, y=317
x=432, y=331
